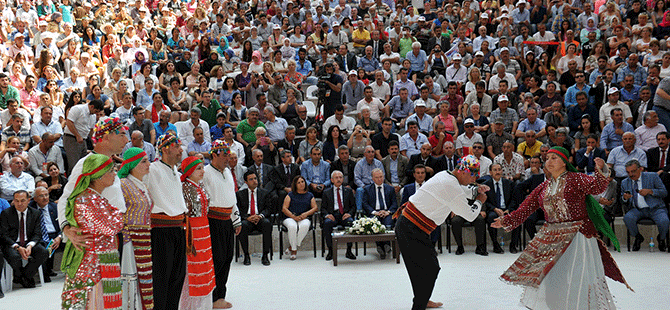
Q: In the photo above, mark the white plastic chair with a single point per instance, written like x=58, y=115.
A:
x=7, y=277
x=310, y=93
x=311, y=109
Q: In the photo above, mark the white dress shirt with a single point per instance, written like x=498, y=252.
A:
x=164, y=187
x=443, y=194
x=378, y=206
x=25, y=229
x=501, y=194
x=221, y=189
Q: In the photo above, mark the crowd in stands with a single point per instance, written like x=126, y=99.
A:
x=353, y=103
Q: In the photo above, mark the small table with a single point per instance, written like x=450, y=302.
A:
x=389, y=236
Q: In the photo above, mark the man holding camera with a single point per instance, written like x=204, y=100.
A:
x=330, y=90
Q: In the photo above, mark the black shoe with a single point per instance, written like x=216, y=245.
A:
x=460, y=250
x=662, y=246
x=2, y=294
x=247, y=260
x=265, y=260
x=513, y=249
x=497, y=249
x=382, y=256
x=481, y=250
x=637, y=243
x=329, y=256
x=16, y=280
x=350, y=255
x=380, y=250
x=26, y=283
x=387, y=248
x=31, y=281
x=47, y=279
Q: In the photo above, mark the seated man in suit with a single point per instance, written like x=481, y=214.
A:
x=644, y=192
x=379, y=201
x=260, y=168
x=658, y=159
x=395, y=165
x=345, y=165
x=20, y=237
x=338, y=208
x=316, y=171
x=48, y=215
x=499, y=202
x=584, y=157
x=409, y=190
x=255, y=208
x=282, y=175
x=237, y=170
x=522, y=190
x=423, y=158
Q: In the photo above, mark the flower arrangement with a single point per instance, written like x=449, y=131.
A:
x=367, y=226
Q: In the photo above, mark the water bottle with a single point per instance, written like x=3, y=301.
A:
x=502, y=242
x=651, y=245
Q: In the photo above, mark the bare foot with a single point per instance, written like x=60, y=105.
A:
x=222, y=304
x=432, y=304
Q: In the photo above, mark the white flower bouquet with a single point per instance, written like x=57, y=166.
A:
x=367, y=226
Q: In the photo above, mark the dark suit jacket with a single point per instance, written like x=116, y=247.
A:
x=53, y=213
x=370, y=198
x=380, y=47
x=337, y=165
x=444, y=162
x=280, y=179
x=264, y=180
x=635, y=106
x=599, y=92
x=444, y=46
x=492, y=201
x=352, y=63
x=523, y=189
x=264, y=202
x=415, y=159
x=293, y=147
x=583, y=162
x=654, y=158
x=299, y=129
x=407, y=192
x=402, y=167
x=9, y=226
x=328, y=201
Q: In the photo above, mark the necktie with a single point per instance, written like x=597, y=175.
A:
x=499, y=194
x=451, y=164
x=234, y=179
x=635, y=194
x=260, y=175
x=662, y=163
x=344, y=60
x=339, y=201
x=375, y=49
x=252, y=203
x=45, y=235
x=22, y=231
x=381, y=198
x=607, y=87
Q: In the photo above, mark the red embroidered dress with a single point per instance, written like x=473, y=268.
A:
x=563, y=201
x=95, y=216
x=200, y=265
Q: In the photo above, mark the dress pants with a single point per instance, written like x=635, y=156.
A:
x=493, y=232
x=48, y=266
x=74, y=151
x=221, y=233
x=296, y=231
x=420, y=259
x=264, y=226
x=658, y=214
x=328, y=225
x=168, y=246
x=480, y=229
x=388, y=222
x=530, y=222
x=37, y=257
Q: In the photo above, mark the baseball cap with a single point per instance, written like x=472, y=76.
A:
x=353, y=72
x=419, y=103
x=504, y=49
x=468, y=121
x=336, y=24
x=612, y=90
x=521, y=2
x=480, y=53
x=503, y=98
x=422, y=19
x=484, y=15
x=457, y=57
x=276, y=27
x=499, y=120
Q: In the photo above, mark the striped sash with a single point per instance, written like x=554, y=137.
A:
x=220, y=213
x=163, y=220
x=409, y=211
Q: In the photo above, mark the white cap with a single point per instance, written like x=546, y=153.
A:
x=353, y=72
x=612, y=90
x=276, y=27
x=503, y=98
x=19, y=34
x=42, y=23
x=48, y=35
x=419, y=103
x=422, y=19
x=484, y=15
x=85, y=54
x=530, y=52
x=504, y=49
x=336, y=24
x=522, y=2
x=469, y=121
x=504, y=15
x=479, y=53
x=457, y=57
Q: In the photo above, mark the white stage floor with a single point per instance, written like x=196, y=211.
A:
x=468, y=281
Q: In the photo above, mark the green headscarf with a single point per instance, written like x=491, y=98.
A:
x=592, y=206
x=131, y=158
x=95, y=166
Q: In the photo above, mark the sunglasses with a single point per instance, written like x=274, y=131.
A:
x=469, y=126
x=477, y=147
